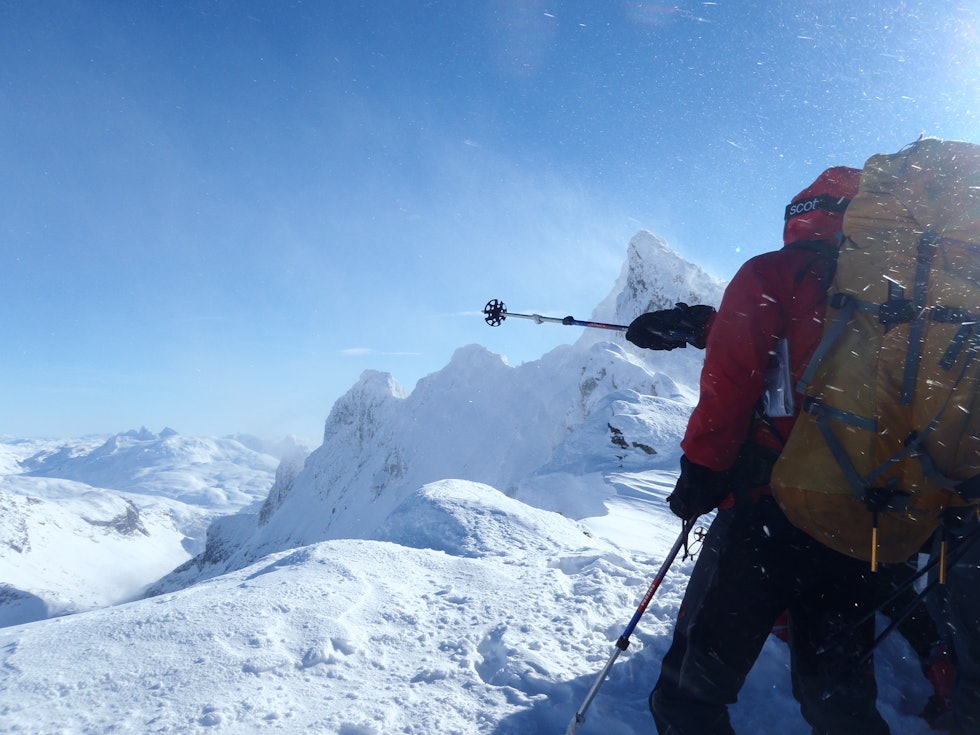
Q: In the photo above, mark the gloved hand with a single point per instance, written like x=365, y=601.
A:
x=670, y=328
x=698, y=490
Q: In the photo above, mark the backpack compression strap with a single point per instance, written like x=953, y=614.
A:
x=894, y=311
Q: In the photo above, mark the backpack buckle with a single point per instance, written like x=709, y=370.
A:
x=896, y=311
x=886, y=499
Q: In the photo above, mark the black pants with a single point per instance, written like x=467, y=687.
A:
x=754, y=564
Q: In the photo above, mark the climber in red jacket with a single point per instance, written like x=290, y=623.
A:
x=754, y=563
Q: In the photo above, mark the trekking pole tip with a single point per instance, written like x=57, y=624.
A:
x=574, y=725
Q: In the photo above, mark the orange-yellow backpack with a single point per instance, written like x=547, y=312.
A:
x=889, y=434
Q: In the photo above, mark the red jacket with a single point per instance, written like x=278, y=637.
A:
x=774, y=295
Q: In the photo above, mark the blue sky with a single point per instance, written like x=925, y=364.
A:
x=214, y=215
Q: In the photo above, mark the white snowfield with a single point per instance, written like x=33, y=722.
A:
x=448, y=562
x=86, y=523
x=483, y=615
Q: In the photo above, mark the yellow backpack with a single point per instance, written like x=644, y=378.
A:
x=889, y=433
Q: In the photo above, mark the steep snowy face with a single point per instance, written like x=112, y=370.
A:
x=290, y=466
x=482, y=420
x=362, y=410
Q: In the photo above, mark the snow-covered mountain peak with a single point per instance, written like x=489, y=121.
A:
x=655, y=277
x=363, y=408
x=374, y=383
x=144, y=434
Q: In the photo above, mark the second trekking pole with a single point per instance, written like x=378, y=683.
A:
x=624, y=639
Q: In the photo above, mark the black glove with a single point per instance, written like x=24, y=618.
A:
x=670, y=328
x=698, y=490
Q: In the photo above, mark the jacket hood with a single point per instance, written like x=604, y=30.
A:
x=817, y=212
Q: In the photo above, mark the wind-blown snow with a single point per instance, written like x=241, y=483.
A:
x=450, y=560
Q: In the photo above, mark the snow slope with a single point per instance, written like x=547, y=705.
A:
x=91, y=522
x=480, y=615
x=68, y=547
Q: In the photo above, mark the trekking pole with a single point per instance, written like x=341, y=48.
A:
x=900, y=617
x=496, y=312
x=895, y=623
x=624, y=641
x=943, y=560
